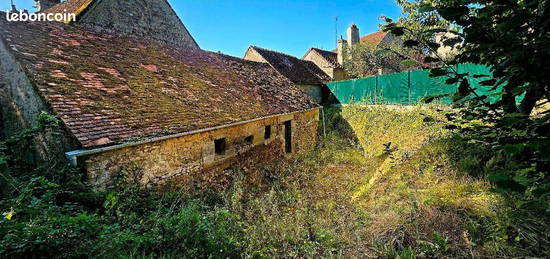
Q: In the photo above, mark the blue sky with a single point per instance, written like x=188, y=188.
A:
x=290, y=26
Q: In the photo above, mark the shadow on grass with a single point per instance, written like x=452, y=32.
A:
x=522, y=224
x=333, y=122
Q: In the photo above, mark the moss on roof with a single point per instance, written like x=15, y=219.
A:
x=296, y=70
x=329, y=56
x=108, y=89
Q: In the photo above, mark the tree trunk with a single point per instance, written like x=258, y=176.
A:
x=509, y=101
x=532, y=96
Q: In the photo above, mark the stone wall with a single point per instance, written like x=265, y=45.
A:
x=253, y=55
x=21, y=105
x=314, y=91
x=324, y=65
x=339, y=74
x=335, y=73
x=147, y=19
x=191, y=161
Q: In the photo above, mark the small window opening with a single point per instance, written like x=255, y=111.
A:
x=288, y=137
x=249, y=140
x=219, y=146
x=267, y=133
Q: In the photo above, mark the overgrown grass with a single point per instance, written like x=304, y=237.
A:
x=358, y=195
x=354, y=195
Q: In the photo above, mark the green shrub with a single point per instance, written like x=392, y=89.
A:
x=424, y=195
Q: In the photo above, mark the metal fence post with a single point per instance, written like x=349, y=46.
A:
x=376, y=91
x=409, y=85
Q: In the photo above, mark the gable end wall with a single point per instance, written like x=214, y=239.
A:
x=253, y=55
x=21, y=106
x=147, y=19
x=319, y=61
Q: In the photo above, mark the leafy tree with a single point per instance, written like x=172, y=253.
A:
x=368, y=59
x=512, y=37
x=417, y=18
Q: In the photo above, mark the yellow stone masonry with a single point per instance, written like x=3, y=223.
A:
x=191, y=161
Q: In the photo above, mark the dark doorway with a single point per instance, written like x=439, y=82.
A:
x=288, y=137
x=267, y=132
x=219, y=146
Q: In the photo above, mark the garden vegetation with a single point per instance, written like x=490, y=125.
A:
x=471, y=180
x=384, y=181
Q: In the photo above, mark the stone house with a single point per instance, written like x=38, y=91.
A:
x=305, y=74
x=159, y=112
x=326, y=61
x=331, y=62
x=146, y=19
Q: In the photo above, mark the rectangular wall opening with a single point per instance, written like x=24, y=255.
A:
x=288, y=136
x=249, y=140
x=267, y=132
x=220, y=146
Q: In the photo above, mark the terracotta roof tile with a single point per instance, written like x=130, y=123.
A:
x=296, y=70
x=109, y=89
x=374, y=38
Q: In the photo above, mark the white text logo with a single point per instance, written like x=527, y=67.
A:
x=40, y=17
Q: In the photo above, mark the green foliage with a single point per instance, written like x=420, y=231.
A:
x=366, y=59
x=420, y=16
x=516, y=156
x=384, y=182
x=168, y=228
x=52, y=212
x=511, y=142
x=510, y=37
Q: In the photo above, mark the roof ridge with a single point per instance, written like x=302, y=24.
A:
x=278, y=52
x=303, y=72
x=325, y=50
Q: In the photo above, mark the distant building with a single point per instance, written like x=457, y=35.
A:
x=353, y=35
x=42, y=5
x=137, y=96
x=326, y=61
x=304, y=73
x=447, y=52
x=332, y=61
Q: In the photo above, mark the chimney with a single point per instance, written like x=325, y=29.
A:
x=42, y=5
x=340, y=51
x=353, y=35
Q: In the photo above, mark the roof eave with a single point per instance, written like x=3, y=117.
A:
x=73, y=156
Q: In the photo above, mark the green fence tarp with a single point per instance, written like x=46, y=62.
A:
x=422, y=85
x=410, y=87
x=394, y=88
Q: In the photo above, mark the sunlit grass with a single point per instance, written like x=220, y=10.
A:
x=357, y=195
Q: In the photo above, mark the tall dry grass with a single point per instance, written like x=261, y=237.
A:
x=381, y=183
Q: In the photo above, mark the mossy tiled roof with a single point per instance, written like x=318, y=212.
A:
x=374, y=38
x=329, y=56
x=297, y=70
x=108, y=89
